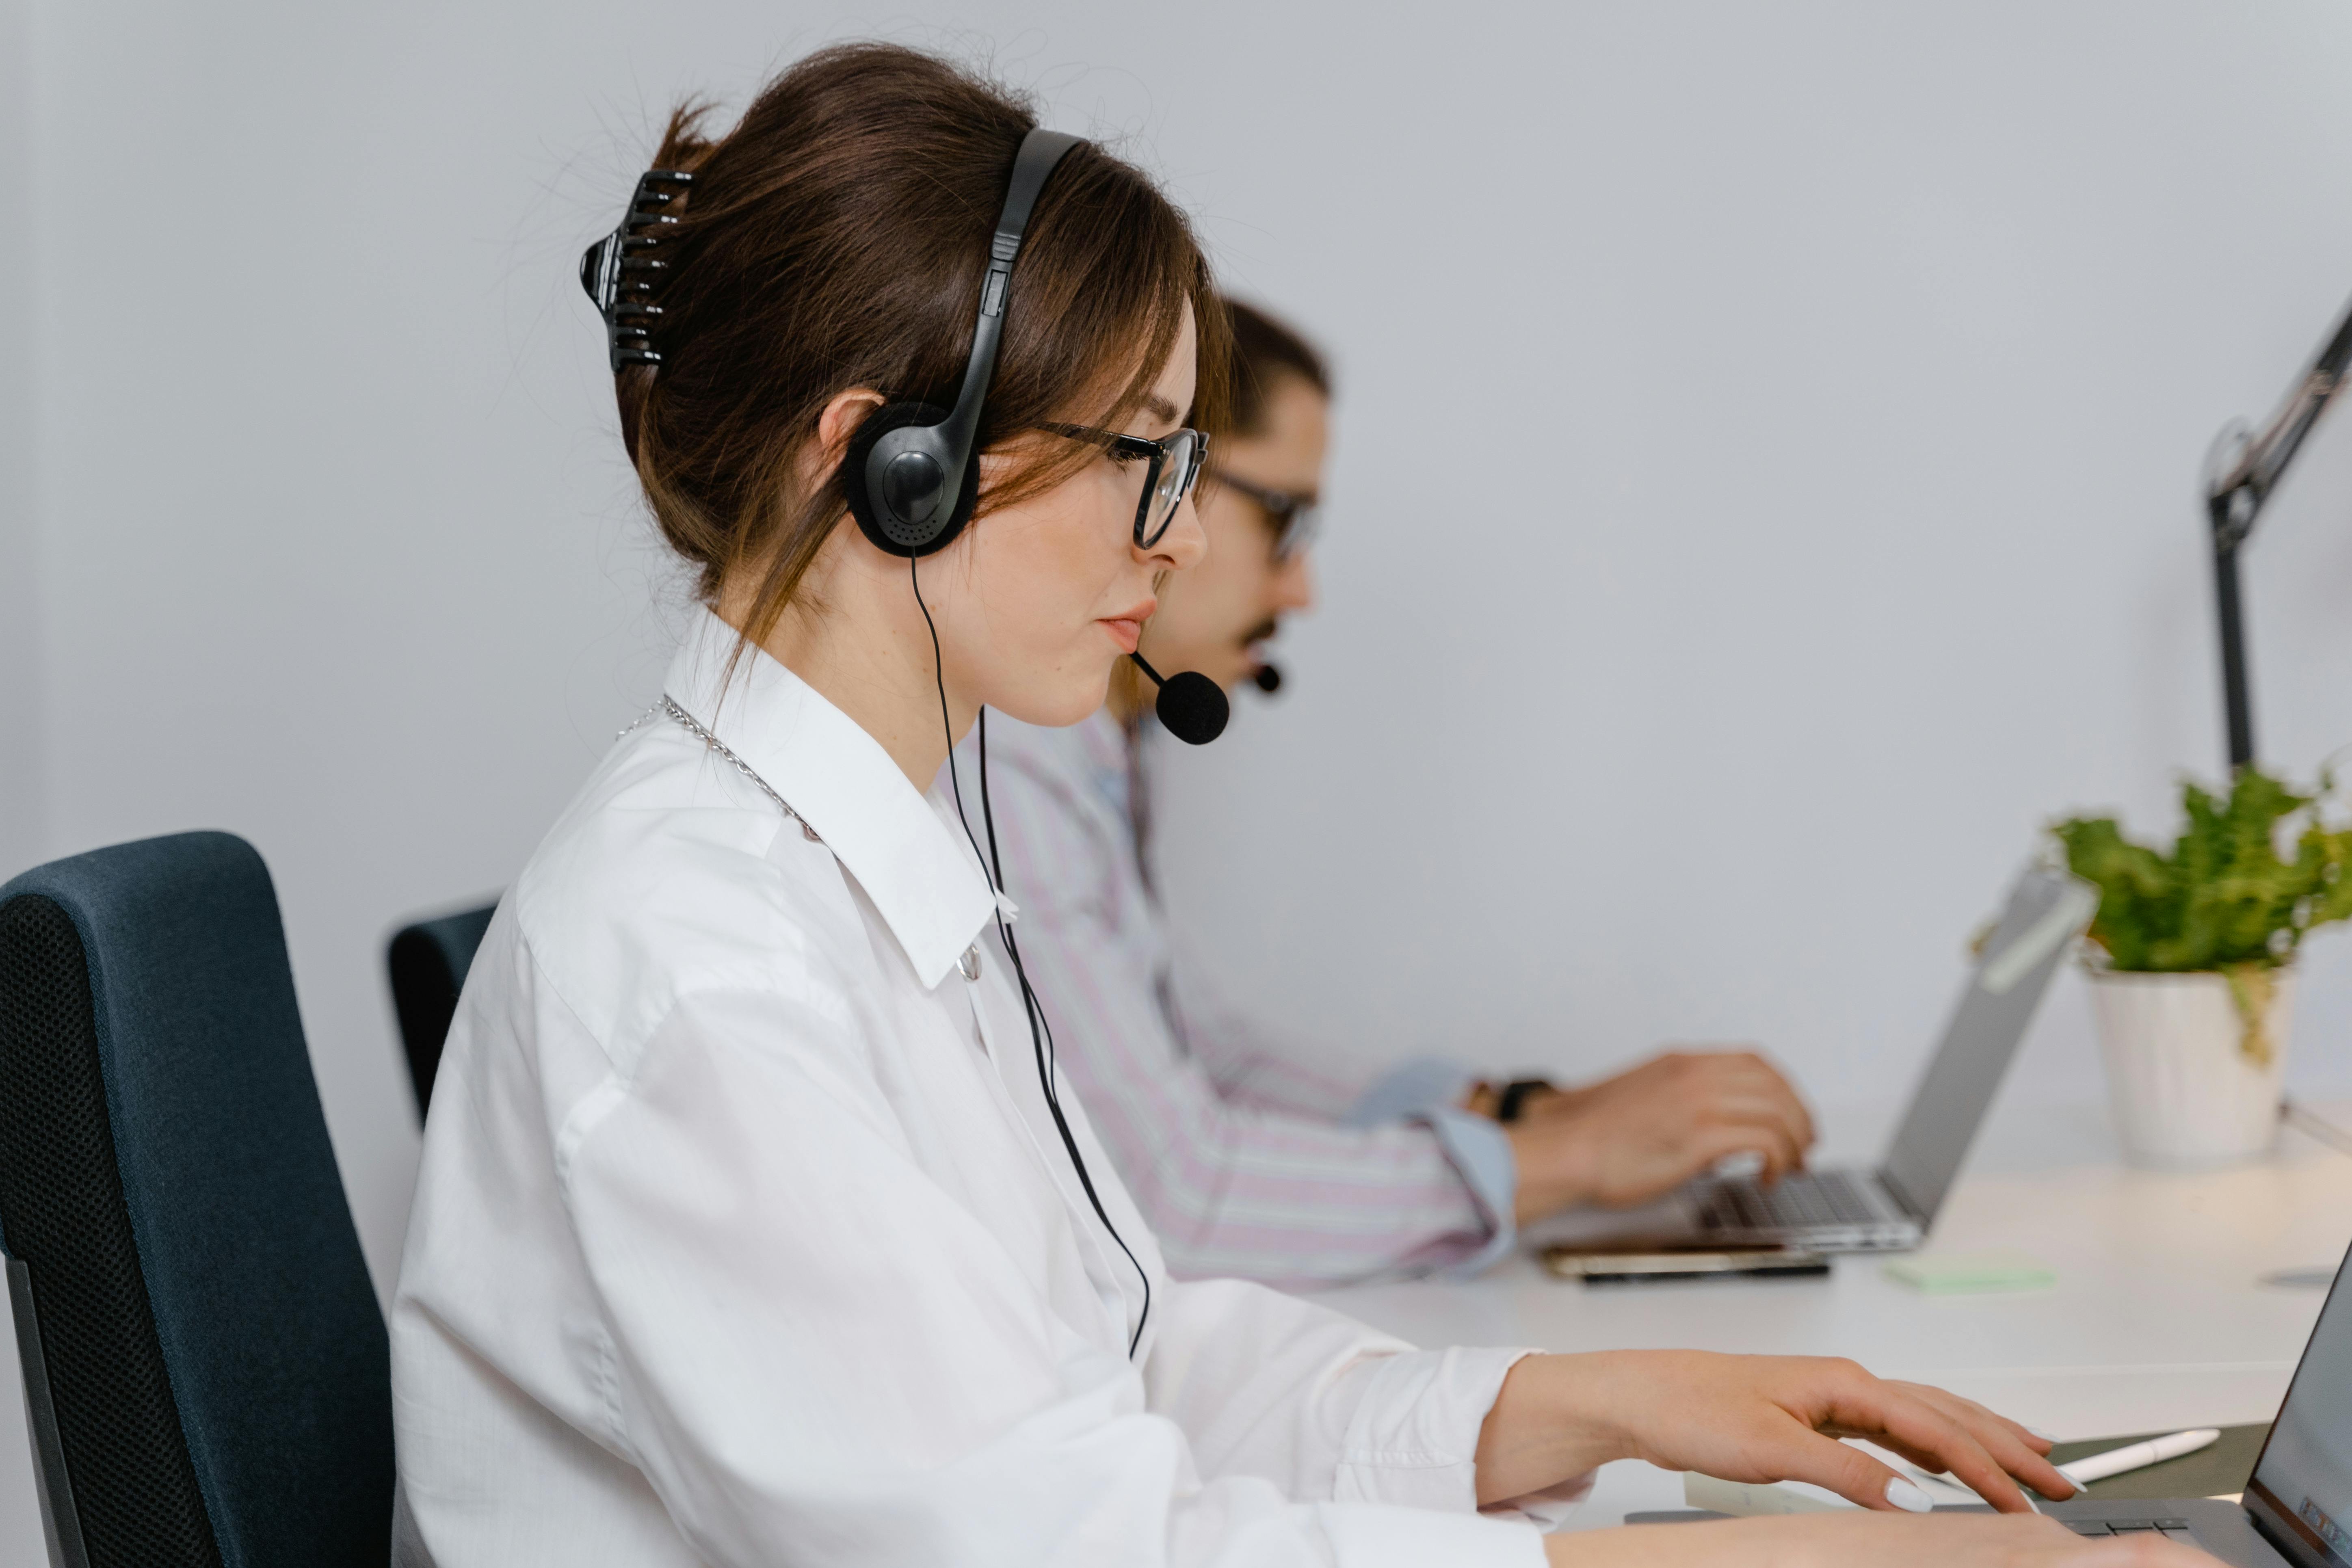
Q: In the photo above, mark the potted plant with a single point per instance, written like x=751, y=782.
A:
x=2191, y=958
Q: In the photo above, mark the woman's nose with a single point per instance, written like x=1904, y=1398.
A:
x=1185, y=545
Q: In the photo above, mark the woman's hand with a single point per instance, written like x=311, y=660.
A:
x=1750, y=1418
x=1867, y=1541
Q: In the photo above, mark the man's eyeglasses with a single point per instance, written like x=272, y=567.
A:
x=1175, y=462
x=1296, y=518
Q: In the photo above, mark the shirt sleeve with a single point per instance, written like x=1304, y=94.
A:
x=812, y=1350
x=1252, y=1065
x=1330, y=1409
x=1229, y=1186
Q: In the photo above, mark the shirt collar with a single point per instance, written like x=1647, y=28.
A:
x=839, y=780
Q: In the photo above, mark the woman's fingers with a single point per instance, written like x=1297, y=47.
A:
x=1956, y=1403
x=1956, y=1441
x=1854, y=1476
x=2016, y=1450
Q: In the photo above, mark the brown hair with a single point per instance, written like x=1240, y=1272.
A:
x=1264, y=352
x=835, y=238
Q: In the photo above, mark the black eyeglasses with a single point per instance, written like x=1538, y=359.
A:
x=1175, y=460
x=1296, y=518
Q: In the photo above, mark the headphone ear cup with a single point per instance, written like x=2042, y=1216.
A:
x=866, y=507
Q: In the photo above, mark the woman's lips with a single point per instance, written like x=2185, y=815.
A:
x=1127, y=627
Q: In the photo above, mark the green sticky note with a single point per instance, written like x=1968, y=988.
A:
x=1962, y=1273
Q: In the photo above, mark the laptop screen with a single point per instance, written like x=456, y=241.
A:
x=2046, y=910
x=2305, y=1469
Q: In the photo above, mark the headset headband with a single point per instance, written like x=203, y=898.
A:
x=905, y=473
x=912, y=475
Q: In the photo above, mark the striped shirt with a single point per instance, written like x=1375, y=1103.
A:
x=1245, y=1160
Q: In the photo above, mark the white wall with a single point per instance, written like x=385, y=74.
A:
x=1766, y=488
x=1766, y=493
x=23, y=833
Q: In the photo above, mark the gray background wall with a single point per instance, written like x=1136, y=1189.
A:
x=23, y=832
x=1765, y=492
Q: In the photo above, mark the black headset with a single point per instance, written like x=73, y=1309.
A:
x=908, y=474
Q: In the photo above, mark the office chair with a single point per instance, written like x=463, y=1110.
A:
x=205, y=1369
x=428, y=961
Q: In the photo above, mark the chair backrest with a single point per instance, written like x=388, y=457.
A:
x=429, y=962
x=200, y=1333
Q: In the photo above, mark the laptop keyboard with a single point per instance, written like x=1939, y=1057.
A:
x=1796, y=1202
x=2171, y=1529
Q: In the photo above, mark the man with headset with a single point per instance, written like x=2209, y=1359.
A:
x=1246, y=1161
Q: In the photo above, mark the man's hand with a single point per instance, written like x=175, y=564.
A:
x=1629, y=1139
x=1750, y=1418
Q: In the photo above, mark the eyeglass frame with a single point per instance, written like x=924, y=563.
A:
x=1136, y=446
x=1297, y=518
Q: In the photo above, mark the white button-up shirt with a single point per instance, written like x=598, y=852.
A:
x=744, y=1236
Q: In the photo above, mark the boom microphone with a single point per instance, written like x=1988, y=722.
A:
x=1268, y=678
x=1191, y=706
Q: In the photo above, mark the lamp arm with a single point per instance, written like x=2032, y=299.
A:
x=2235, y=495
x=2240, y=476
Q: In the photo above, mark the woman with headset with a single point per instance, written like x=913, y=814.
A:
x=753, y=1225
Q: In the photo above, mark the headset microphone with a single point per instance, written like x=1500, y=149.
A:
x=1191, y=706
x=1268, y=678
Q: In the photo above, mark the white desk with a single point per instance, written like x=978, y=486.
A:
x=2156, y=1320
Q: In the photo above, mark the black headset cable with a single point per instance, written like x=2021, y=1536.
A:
x=1041, y=1033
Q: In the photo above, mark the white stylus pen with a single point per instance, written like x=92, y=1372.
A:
x=2138, y=1455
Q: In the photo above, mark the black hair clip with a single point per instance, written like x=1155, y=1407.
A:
x=619, y=275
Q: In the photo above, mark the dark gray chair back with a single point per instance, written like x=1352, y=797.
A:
x=429, y=962
x=205, y=1366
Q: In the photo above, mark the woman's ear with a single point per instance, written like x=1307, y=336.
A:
x=843, y=413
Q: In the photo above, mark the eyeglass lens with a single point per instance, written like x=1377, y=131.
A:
x=1171, y=476
x=1295, y=533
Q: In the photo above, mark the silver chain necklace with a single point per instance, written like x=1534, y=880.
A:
x=669, y=705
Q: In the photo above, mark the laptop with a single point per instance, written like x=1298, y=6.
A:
x=2297, y=1511
x=1892, y=1207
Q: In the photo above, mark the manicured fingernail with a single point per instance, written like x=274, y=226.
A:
x=1908, y=1497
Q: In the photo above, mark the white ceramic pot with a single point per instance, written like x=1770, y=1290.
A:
x=2189, y=1088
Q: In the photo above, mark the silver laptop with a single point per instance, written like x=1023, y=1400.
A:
x=2297, y=1511
x=1889, y=1208
x=2298, y=1506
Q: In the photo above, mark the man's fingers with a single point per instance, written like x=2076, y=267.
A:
x=1765, y=1096
x=1752, y=1129
x=1747, y=1075
x=1720, y=1140
x=1753, y=1101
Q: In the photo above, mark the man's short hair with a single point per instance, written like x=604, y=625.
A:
x=1264, y=352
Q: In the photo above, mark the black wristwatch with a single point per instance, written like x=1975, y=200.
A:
x=1513, y=1099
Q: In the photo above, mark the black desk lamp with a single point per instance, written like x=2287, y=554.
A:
x=2239, y=474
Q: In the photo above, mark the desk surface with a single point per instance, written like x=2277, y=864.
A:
x=2157, y=1319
